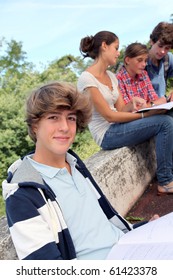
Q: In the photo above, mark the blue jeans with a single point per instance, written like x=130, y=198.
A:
x=135, y=132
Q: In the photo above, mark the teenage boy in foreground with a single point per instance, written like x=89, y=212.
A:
x=55, y=209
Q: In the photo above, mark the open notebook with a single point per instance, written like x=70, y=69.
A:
x=152, y=241
x=165, y=106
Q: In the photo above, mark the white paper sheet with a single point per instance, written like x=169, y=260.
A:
x=166, y=106
x=153, y=241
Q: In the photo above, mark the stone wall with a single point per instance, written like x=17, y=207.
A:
x=123, y=175
x=7, y=250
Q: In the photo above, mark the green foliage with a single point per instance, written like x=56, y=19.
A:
x=59, y=70
x=132, y=219
x=84, y=145
x=2, y=206
x=13, y=58
x=13, y=132
x=13, y=65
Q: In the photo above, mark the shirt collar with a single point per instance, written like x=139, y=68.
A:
x=138, y=77
x=50, y=171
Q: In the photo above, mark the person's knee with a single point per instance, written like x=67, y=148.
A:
x=168, y=125
x=168, y=120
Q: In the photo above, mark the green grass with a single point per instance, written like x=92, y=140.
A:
x=133, y=219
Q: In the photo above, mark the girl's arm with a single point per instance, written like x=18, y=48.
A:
x=123, y=113
x=103, y=108
x=135, y=104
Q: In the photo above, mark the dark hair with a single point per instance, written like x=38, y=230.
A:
x=163, y=32
x=57, y=95
x=90, y=45
x=135, y=49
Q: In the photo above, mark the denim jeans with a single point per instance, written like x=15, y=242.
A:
x=135, y=132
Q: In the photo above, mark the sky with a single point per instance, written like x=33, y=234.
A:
x=50, y=29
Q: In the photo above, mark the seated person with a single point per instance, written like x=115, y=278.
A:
x=114, y=123
x=133, y=80
x=160, y=61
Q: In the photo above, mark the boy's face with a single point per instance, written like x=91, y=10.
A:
x=159, y=50
x=55, y=132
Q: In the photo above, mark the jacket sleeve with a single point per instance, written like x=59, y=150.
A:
x=30, y=228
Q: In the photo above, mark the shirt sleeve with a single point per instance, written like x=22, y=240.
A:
x=31, y=234
x=122, y=88
x=152, y=95
x=85, y=81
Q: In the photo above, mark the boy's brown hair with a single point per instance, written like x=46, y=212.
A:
x=57, y=96
x=163, y=33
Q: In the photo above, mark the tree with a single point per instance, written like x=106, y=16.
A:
x=13, y=64
x=67, y=68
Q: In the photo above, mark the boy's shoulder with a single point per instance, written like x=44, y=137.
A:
x=166, y=65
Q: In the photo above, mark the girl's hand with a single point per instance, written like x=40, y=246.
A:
x=171, y=96
x=138, y=103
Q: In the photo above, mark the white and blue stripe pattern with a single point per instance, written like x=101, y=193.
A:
x=35, y=219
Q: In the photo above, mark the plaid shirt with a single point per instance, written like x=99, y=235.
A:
x=141, y=87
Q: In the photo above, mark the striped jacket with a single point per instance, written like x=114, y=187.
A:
x=35, y=220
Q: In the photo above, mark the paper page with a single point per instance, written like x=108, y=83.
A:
x=151, y=232
x=150, y=251
x=166, y=106
x=153, y=240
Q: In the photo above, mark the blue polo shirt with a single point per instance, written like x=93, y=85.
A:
x=92, y=233
x=156, y=74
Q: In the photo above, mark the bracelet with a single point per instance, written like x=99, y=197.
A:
x=152, y=103
x=142, y=115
